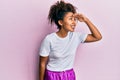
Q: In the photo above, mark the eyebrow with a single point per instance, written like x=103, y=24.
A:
x=71, y=16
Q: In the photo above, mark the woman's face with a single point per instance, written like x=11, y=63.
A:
x=69, y=22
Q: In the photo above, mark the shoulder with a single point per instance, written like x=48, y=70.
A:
x=79, y=33
x=49, y=36
x=75, y=33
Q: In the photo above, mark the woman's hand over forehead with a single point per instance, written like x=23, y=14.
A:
x=80, y=17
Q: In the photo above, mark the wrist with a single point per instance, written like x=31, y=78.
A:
x=86, y=20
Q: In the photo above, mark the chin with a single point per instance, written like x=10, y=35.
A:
x=71, y=30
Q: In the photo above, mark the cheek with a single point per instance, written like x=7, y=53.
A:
x=67, y=23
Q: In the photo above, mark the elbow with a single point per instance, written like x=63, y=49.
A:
x=42, y=64
x=99, y=38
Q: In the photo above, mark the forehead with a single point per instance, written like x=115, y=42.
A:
x=69, y=14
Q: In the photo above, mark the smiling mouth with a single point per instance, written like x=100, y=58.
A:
x=73, y=27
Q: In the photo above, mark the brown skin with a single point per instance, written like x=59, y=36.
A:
x=68, y=24
x=42, y=66
x=95, y=34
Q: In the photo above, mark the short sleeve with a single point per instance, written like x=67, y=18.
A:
x=81, y=36
x=45, y=47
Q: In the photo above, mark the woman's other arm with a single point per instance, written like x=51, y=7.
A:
x=95, y=34
x=42, y=66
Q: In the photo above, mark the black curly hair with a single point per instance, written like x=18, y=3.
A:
x=58, y=11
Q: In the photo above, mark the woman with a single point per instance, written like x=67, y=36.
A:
x=58, y=49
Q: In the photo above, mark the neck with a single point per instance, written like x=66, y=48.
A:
x=62, y=33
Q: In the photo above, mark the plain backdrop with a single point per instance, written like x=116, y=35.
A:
x=24, y=24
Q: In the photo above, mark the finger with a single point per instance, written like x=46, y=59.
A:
x=76, y=14
x=81, y=15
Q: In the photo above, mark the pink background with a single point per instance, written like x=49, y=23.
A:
x=23, y=25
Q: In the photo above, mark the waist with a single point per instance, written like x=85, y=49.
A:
x=69, y=70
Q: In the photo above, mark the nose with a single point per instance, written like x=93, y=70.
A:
x=74, y=21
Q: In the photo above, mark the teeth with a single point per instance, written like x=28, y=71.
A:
x=72, y=26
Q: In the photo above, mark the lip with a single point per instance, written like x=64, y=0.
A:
x=73, y=27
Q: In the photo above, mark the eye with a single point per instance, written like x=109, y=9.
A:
x=70, y=18
x=75, y=19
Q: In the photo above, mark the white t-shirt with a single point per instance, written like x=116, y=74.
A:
x=61, y=51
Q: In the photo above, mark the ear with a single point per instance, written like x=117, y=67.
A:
x=60, y=22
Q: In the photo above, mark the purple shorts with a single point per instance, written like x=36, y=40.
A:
x=63, y=75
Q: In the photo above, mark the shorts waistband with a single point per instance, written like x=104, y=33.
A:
x=60, y=71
